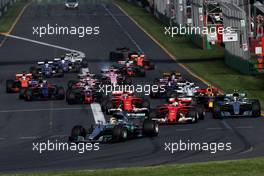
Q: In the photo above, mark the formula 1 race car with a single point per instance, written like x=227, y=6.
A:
x=208, y=96
x=83, y=96
x=141, y=61
x=129, y=70
x=124, y=101
x=46, y=69
x=120, y=54
x=43, y=91
x=66, y=65
x=176, y=112
x=112, y=76
x=124, y=55
x=76, y=58
x=120, y=128
x=22, y=80
x=236, y=105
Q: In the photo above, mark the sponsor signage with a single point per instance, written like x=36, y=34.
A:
x=230, y=37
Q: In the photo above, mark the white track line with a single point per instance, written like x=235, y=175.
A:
x=184, y=129
x=214, y=128
x=43, y=43
x=38, y=110
x=227, y=126
x=244, y=127
x=97, y=113
x=29, y=137
x=123, y=29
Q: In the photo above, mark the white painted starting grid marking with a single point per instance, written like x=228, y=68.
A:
x=97, y=113
x=29, y=137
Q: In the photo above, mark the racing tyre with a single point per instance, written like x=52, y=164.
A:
x=146, y=104
x=77, y=131
x=84, y=64
x=151, y=67
x=71, y=83
x=217, y=111
x=128, y=81
x=119, y=134
x=256, y=108
x=22, y=92
x=195, y=116
x=70, y=97
x=60, y=73
x=9, y=86
x=150, y=128
x=28, y=95
x=109, y=105
x=60, y=93
x=201, y=112
x=116, y=56
x=171, y=95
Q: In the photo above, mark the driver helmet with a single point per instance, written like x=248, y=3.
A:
x=175, y=103
x=125, y=96
x=46, y=64
x=236, y=96
x=44, y=81
x=113, y=121
x=62, y=61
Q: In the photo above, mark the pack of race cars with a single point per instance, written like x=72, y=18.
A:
x=131, y=115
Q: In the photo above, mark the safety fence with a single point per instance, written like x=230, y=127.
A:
x=207, y=14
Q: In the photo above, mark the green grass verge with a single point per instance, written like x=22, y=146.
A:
x=214, y=71
x=252, y=167
x=8, y=19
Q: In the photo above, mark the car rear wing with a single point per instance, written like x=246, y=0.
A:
x=57, y=59
x=240, y=94
x=135, y=115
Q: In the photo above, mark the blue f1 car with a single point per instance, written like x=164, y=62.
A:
x=46, y=69
x=43, y=91
x=66, y=65
x=236, y=105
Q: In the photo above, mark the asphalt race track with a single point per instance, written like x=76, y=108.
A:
x=22, y=123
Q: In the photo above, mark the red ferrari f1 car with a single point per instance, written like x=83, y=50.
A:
x=180, y=111
x=124, y=101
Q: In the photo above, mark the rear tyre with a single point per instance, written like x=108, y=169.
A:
x=256, y=109
x=201, y=112
x=217, y=111
x=22, y=92
x=60, y=93
x=146, y=104
x=141, y=72
x=60, y=73
x=70, y=97
x=9, y=86
x=28, y=95
x=35, y=73
x=84, y=64
x=71, y=83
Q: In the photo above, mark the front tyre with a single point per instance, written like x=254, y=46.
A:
x=150, y=128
